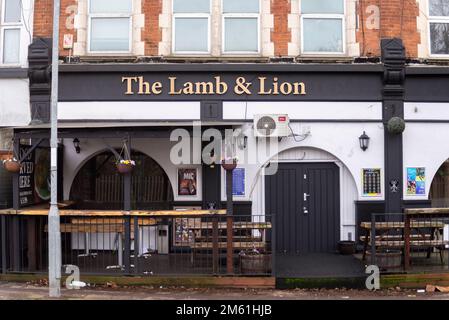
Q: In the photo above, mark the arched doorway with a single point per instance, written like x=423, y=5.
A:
x=439, y=189
x=98, y=185
x=312, y=196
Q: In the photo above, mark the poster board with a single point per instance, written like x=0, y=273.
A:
x=372, y=182
x=238, y=182
x=416, y=181
x=183, y=232
x=187, y=182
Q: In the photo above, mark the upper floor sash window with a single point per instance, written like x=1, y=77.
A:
x=10, y=29
x=191, y=26
x=323, y=26
x=110, y=26
x=241, y=26
x=439, y=27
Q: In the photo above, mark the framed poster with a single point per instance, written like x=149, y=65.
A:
x=372, y=182
x=416, y=181
x=238, y=182
x=184, y=232
x=187, y=182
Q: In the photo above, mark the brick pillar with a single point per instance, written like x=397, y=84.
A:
x=281, y=34
x=151, y=33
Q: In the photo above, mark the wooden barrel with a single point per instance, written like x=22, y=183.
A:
x=387, y=259
x=255, y=264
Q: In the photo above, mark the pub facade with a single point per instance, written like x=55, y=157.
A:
x=327, y=129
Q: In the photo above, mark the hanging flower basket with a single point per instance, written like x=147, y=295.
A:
x=125, y=166
x=229, y=164
x=11, y=165
x=396, y=125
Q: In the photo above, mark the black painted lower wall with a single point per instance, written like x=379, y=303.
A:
x=5, y=189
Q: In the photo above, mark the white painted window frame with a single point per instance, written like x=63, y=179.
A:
x=192, y=16
x=340, y=16
x=435, y=19
x=240, y=15
x=109, y=15
x=9, y=26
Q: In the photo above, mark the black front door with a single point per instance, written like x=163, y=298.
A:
x=304, y=198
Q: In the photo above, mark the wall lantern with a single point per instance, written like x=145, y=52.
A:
x=242, y=142
x=76, y=144
x=364, y=141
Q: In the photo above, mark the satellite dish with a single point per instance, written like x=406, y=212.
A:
x=266, y=126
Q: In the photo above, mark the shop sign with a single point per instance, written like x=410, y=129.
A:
x=26, y=178
x=263, y=86
x=34, y=176
x=416, y=181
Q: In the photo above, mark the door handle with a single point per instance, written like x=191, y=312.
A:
x=306, y=196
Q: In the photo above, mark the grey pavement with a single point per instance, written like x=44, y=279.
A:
x=21, y=291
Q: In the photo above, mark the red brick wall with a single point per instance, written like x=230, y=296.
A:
x=368, y=37
x=43, y=20
x=398, y=19
x=281, y=34
x=151, y=33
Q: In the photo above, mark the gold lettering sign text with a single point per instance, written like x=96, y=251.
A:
x=266, y=87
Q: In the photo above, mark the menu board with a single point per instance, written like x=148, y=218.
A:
x=372, y=182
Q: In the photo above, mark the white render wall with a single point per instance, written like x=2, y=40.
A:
x=157, y=149
x=14, y=93
x=14, y=102
x=300, y=110
x=426, y=138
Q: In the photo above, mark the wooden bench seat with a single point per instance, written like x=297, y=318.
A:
x=101, y=225
x=401, y=225
x=223, y=245
x=397, y=237
x=413, y=243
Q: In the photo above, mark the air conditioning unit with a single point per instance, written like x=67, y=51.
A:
x=272, y=125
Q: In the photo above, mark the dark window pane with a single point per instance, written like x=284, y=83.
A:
x=439, y=37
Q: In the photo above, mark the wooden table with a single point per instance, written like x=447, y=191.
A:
x=429, y=213
x=405, y=240
x=98, y=221
x=242, y=243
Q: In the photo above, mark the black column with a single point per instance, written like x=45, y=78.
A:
x=39, y=59
x=127, y=207
x=15, y=178
x=393, y=57
x=211, y=183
